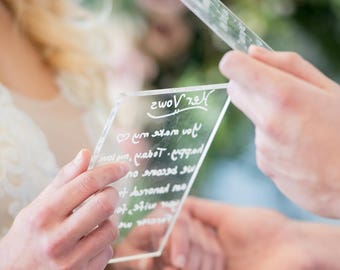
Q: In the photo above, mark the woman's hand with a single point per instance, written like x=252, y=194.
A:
x=49, y=234
x=295, y=109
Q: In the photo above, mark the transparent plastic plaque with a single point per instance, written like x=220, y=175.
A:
x=225, y=24
x=164, y=135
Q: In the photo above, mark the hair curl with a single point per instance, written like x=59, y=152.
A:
x=71, y=46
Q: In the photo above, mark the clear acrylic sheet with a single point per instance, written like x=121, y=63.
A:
x=225, y=24
x=164, y=135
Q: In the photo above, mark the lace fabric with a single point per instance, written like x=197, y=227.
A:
x=26, y=163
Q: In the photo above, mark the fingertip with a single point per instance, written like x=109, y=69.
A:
x=229, y=60
x=72, y=169
x=257, y=50
x=83, y=155
x=224, y=63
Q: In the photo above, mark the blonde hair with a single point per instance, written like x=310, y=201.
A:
x=72, y=47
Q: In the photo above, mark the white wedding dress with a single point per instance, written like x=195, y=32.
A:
x=27, y=163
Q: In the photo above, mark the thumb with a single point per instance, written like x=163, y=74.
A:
x=71, y=170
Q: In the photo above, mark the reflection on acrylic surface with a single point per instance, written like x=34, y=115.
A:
x=164, y=135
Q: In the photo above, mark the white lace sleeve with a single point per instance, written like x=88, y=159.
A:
x=26, y=164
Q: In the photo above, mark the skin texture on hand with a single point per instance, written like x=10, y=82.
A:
x=263, y=239
x=191, y=246
x=295, y=110
x=246, y=238
x=50, y=234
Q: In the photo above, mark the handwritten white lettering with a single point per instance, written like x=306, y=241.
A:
x=148, y=154
x=157, y=220
x=150, y=191
x=172, y=205
x=121, y=210
x=142, y=206
x=114, y=158
x=178, y=104
x=185, y=153
x=125, y=225
x=137, y=137
x=187, y=169
x=161, y=172
x=122, y=193
x=179, y=187
x=165, y=133
x=193, y=132
x=132, y=174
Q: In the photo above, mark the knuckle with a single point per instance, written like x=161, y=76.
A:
x=114, y=171
x=283, y=98
x=113, y=231
x=39, y=218
x=88, y=184
x=54, y=246
x=271, y=133
x=182, y=220
x=270, y=126
x=113, y=194
x=109, y=232
x=105, y=203
x=263, y=164
x=63, y=171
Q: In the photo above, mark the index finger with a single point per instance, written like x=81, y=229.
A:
x=268, y=81
x=265, y=93
x=74, y=193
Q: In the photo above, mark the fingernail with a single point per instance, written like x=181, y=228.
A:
x=223, y=62
x=180, y=261
x=79, y=157
x=253, y=49
x=124, y=167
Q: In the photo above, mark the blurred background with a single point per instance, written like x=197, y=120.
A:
x=179, y=50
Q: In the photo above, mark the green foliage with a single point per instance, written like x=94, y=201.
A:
x=309, y=27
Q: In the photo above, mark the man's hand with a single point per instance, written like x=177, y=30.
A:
x=295, y=109
x=263, y=239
